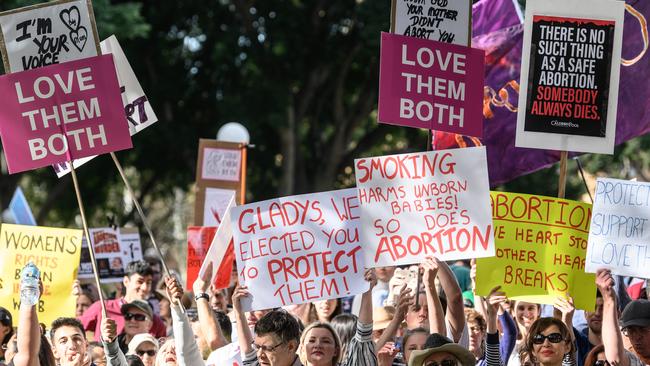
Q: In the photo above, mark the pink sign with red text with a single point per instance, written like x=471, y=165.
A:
x=61, y=112
x=432, y=85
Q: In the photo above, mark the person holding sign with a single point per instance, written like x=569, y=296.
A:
x=635, y=324
x=484, y=341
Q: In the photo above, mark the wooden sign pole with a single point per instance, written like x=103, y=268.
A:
x=561, y=189
x=91, y=250
x=143, y=217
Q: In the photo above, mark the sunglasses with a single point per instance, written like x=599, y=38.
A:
x=601, y=363
x=447, y=362
x=553, y=338
x=149, y=352
x=137, y=317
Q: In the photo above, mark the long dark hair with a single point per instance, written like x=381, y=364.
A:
x=592, y=356
x=526, y=354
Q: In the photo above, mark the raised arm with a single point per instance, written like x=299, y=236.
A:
x=455, y=308
x=28, y=336
x=431, y=268
x=245, y=337
x=612, y=338
x=187, y=351
x=114, y=354
x=365, y=313
x=208, y=322
x=404, y=300
x=492, y=350
x=566, y=310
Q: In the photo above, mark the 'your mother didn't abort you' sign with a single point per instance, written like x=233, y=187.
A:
x=619, y=238
x=431, y=85
x=425, y=204
x=299, y=249
x=570, y=70
x=62, y=112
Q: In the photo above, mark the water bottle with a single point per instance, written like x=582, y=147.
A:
x=29, y=291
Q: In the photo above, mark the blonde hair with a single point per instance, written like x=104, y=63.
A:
x=337, y=342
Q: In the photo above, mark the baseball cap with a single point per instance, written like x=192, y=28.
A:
x=636, y=313
x=138, y=339
x=439, y=343
x=138, y=304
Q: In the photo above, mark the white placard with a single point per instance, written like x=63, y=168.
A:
x=567, y=107
x=47, y=34
x=425, y=204
x=215, y=205
x=220, y=242
x=221, y=164
x=619, y=238
x=299, y=249
x=446, y=21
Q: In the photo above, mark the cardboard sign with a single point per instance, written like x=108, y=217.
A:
x=137, y=108
x=570, y=65
x=114, y=250
x=61, y=112
x=437, y=20
x=47, y=34
x=220, y=170
x=541, y=247
x=130, y=247
x=618, y=239
x=425, y=204
x=299, y=249
x=432, y=85
x=221, y=250
x=55, y=252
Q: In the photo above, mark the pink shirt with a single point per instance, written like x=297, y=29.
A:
x=92, y=319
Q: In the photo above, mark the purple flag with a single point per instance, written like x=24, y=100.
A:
x=491, y=15
x=503, y=58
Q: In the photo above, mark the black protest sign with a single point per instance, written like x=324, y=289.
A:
x=569, y=75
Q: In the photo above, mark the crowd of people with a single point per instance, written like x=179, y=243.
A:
x=426, y=315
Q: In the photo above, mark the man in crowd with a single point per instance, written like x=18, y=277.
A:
x=69, y=343
x=277, y=336
x=635, y=324
x=137, y=283
x=591, y=336
x=138, y=319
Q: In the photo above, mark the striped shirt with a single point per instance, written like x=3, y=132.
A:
x=361, y=350
x=492, y=355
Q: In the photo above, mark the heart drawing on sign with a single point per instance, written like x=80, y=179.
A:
x=79, y=38
x=71, y=18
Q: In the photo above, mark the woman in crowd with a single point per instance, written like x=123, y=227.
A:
x=319, y=345
x=413, y=341
x=548, y=343
x=6, y=330
x=325, y=310
x=596, y=357
x=525, y=314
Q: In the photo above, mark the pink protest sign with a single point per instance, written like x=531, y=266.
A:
x=432, y=85
x=60, y=112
